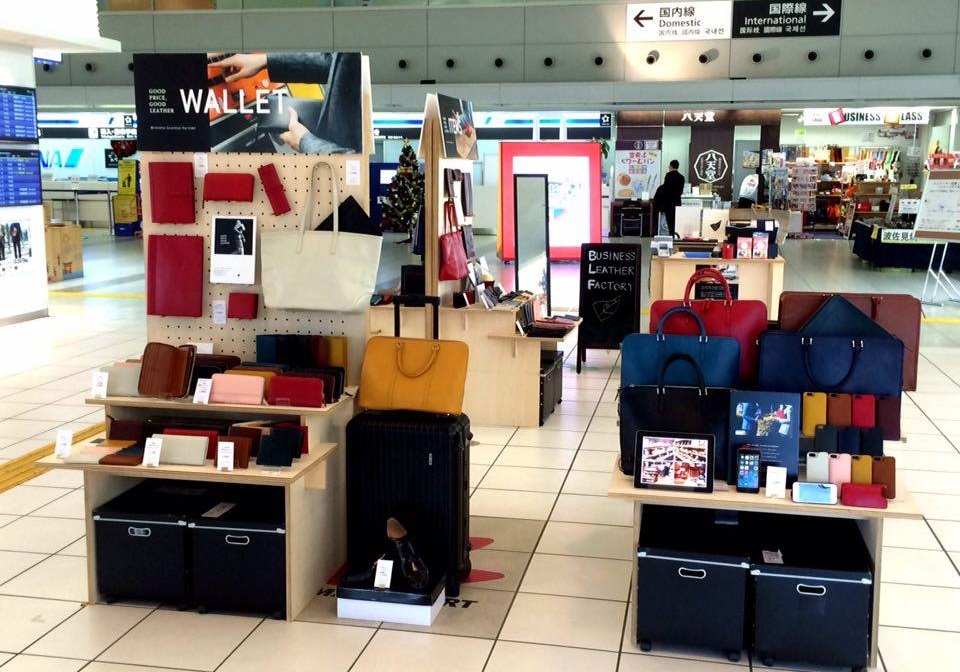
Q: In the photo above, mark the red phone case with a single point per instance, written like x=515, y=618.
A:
x=295, y=391
x=243, y=305
x=227, y=187
x=212, y=438
x=175, y=276
x=171, y=192
x=867, y=496
x=274, y=188
x=863, y=411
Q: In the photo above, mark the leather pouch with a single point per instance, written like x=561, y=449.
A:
x=838, y=410
x=861, y=469
x=885, y=473
x=814, y=412
x=232, y=389
x=228, y=187
x=93, y=452
x=267, y=376
x=125, y=430
x=848, y=440
x=866, y=496
x=187, y=450
x=888, y=417
x=127, y=457
x=122, y=380
x=243, y=305
x=166, y=370
x=863, y=410
x=171, y=192
x=295, y=391
x=871, y=442
x=175, y=276
x=211, y=437
x=273, y=186
x=827, y=439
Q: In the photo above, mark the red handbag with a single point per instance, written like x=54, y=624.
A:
x=863, y=411
x=171, y=192
x=453, y=257
x=295, y=391
x=274, y=188
x=227, y=187
x=743, y=320
x=866, y=496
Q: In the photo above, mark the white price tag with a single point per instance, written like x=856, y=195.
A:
x=203, y=348
x=225, y=456
x=202, y=393
x=219, y=312
x=151, y=451
x=773, y=557
x=384, y=574
x=353, y=173
x=199, y=164
x=64, y=442
x=776, y=482
x=98, y=389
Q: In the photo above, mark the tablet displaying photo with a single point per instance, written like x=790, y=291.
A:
x=674, y=461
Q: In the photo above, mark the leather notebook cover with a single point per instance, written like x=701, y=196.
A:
x=885, y=473
x=867, y=496
x=849, y=440
x=211, y=437
x=266, y=376
x=166, y=371
x=243, y=306
x=861, y=469
x=128, y=457
x=228, y=187
x=295, y=391
x=175, y=275
x=186, y=450
x=827, y=439
x=273, y=187
x=228, y=388
x=888, y=417
x=871, y=442
x=171, y=192
x=863, y=410
x=838, y=410
x=122, y=380
x=814, y=412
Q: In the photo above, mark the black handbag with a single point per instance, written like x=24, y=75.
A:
x=664, y=408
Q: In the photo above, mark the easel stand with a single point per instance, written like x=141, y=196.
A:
x=940, y=279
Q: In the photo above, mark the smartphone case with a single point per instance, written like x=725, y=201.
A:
x=871, y=442
x=839, y=468
x=863, y=411
x=838, y=409
x=818, y=467
x=885, y=473
x=888, y=417
x=861, y=469
x=867, y=496
x=849, y=440
x=827, y=439
x=814, y=412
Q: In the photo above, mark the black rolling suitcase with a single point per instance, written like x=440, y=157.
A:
x=414, y=467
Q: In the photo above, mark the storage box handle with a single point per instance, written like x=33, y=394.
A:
x=816, y=591
x=688, y=573
x=143, y=532
x=236, y=539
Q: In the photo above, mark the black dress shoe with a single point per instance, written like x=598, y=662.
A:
x=414, y=569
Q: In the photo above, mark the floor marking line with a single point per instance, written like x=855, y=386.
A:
x=95, y=295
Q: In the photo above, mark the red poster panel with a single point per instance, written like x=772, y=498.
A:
x=574, y=176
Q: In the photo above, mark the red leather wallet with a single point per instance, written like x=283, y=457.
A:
x=212, y=438
x=243, y=305
x=867, y=496
x=295, y=391
x=171, y=192
x=274, y=188
x=863, y=411
x=175, y=275
x=227, y=187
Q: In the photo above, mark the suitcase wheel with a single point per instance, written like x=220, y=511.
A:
x=645, y=645
x=467, y=568
x=733, y=656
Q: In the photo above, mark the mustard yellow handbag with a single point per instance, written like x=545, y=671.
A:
x=413, y=374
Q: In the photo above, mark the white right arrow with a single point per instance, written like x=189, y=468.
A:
x=827, y=13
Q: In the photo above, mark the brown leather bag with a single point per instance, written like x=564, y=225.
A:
x=897, y=313
x=166, y=370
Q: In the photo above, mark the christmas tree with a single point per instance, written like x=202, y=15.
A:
x=405, y=193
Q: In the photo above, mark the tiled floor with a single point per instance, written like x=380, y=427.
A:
x=554, y=550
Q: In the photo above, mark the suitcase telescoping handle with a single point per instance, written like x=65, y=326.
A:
x=414, y=300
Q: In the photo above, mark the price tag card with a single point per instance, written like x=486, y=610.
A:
x=384, y=574
x=64, y=442
x=202, y=393
x=203, y=348
x=225, y=456
x=776, y=482
x=219, y=312
x=151, y=451
x=98, y=389
x=353, y=173
x=200, y=164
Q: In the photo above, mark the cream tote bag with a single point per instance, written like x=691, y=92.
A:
x=319, y=270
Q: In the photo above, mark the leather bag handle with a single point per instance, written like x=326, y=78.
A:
x=308, y=207
x=450, y=223
x=681, y=357
x=855, y=346
x=434, y=353
x=703, y=274
x=681, y=310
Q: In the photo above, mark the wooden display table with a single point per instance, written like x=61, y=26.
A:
x=727, y=498
x=760, y=279
x=314, y=487
x=503, y=371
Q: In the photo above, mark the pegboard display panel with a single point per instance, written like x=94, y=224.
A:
x=237, y=337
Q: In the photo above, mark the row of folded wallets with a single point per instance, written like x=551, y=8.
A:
x=193, y=441
x=840, y=468
x=865, y=411
x=849, y=440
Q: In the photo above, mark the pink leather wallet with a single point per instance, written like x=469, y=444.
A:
x=227, y=389
x=867, y=496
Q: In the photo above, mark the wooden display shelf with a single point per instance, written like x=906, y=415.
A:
x=870, y=522
x=187, y=404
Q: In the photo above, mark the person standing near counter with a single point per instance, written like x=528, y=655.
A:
x=668, y=196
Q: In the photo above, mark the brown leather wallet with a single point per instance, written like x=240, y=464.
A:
x=166, y=370
x=241, y=450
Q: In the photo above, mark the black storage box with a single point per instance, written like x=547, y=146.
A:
x=814, y=606
x=142, y=545
x=692, y=576
x=551, y=383
x=239, y=552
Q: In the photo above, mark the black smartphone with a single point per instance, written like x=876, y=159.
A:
x=748, y=469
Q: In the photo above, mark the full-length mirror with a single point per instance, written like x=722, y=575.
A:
x=531, y=209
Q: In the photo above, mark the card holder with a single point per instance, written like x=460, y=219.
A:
x=863, y=495
x=273, y=187
x=228, y=187
x=243, y=305
x=171, y=192
x=166, y=370
x=125, y=430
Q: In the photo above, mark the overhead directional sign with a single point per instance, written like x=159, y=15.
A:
x=762, y=18
x=679, y=21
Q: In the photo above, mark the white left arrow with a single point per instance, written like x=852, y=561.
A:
x=827, y=13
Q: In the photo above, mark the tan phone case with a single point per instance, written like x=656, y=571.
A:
x=861, y=469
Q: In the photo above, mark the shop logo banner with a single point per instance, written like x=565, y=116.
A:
x=711, y=166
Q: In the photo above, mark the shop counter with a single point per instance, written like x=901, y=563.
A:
x=912, y=254
x=760, y=279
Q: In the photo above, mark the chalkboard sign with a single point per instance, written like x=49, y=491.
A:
x=609, y=295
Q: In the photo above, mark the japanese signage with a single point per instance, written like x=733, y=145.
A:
x=678, y=21
x=698, y=116
x=711, y=166
x=637, y=171
x=762, y=18
x=897, y=235
x=864, y=116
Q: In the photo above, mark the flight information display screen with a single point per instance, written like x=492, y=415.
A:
x=18, y=114
x=20, y=177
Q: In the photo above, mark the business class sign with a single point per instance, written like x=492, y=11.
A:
x=864, y=116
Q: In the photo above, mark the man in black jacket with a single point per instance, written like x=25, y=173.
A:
x=668, y=195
